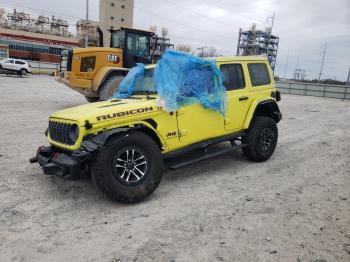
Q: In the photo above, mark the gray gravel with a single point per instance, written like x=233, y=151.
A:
x=294, y=207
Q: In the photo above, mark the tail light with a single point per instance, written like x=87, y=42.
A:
x=29, y=65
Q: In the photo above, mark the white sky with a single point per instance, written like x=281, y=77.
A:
x=302, y=25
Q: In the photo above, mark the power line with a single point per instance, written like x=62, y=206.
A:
x=176, y=22
x=198, y=13
x=235, y=13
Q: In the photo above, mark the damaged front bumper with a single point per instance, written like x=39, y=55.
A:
x=68, y=165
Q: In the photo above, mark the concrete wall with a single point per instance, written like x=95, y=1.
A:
x=311, y=89
x=115, y=14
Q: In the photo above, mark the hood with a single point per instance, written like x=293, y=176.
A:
x=109, y=110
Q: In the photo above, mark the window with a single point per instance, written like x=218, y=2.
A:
x=138, y=44
x=117, y=39
x=87, y=64
x=19, y=63
x=234, y=78
x=259, y=75
x=9, y=61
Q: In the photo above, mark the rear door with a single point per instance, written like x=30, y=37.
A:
x=19, y=65
x=238, y=97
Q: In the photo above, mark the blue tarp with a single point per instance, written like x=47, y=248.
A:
x=180, y=79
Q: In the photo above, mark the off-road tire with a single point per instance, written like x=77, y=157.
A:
x=109, y=87
x=108, y=180
x=256, y=150
x=23, y=72
x=91, y=99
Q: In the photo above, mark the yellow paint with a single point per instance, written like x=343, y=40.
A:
x=190, y=124
x=85, y=82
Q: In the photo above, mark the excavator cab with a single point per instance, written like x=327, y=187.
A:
x=136, y=45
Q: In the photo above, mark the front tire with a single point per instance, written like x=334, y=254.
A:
x=129, y=168
x=261, y=139
x=108, y=89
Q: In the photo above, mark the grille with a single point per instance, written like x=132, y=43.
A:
x=59, y=132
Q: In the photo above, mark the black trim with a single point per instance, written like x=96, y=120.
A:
x=69, y=60
x=151, y=122
x=202, y=144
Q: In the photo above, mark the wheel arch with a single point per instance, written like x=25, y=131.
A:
x=263, y=107
x=104, y=74
x=147, y=127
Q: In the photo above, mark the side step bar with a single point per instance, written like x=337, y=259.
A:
x=199, y=155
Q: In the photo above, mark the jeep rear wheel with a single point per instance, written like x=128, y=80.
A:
x=108, y=89
x=261, y=139
x=129, y=168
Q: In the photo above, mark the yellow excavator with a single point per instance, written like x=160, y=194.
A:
x=96, y=72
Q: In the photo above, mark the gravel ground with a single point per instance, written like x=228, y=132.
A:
x=294, y=207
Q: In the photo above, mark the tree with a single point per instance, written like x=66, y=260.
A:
x=184, y=48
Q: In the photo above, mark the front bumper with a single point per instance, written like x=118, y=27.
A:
x=59, y=163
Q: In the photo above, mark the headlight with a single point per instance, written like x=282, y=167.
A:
x=74, y=132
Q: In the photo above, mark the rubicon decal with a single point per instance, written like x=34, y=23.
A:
x=125, y=113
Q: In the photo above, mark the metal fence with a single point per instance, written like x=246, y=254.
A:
x=312, y=89
x=43, y=67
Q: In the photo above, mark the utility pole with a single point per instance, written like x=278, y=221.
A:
x=348, y=80
x=324, y=54
x=201, y=54
x=285, y=69
x=87, y=25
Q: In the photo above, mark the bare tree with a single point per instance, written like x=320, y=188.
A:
x=153, y=28
x=184, y=48
x=165, y=32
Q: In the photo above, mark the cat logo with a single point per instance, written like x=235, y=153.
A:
x=113, y=58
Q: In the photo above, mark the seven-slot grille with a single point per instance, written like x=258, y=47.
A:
x=59, y=132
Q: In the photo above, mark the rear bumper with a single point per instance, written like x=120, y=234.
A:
x=58, y=163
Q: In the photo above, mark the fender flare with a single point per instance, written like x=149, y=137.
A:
x=93, y=143
x=255, y=105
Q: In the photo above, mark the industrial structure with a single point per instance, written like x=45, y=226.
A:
x=257, y=42
x=33, y=39
x=89, y=30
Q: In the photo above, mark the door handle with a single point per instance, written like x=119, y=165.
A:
x=242, y=98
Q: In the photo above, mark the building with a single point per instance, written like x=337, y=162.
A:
x=35, y=46
x=115, y=14
x=34, y=39
x=4, y=51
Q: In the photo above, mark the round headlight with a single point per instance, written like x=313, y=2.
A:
x=74, y=132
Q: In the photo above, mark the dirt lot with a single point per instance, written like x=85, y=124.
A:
x=295, y=207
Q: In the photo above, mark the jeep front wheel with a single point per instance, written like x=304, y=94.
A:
x=261, y=139
x=129, y=168
x=108, y=89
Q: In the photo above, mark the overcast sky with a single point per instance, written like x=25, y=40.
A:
x=304, y=26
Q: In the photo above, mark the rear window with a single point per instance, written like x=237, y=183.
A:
x=19, y=63
x=259, y=75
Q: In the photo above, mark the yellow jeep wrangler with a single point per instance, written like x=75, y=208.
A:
x=125, y=143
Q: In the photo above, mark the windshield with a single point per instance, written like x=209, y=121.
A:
x=145, y=84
